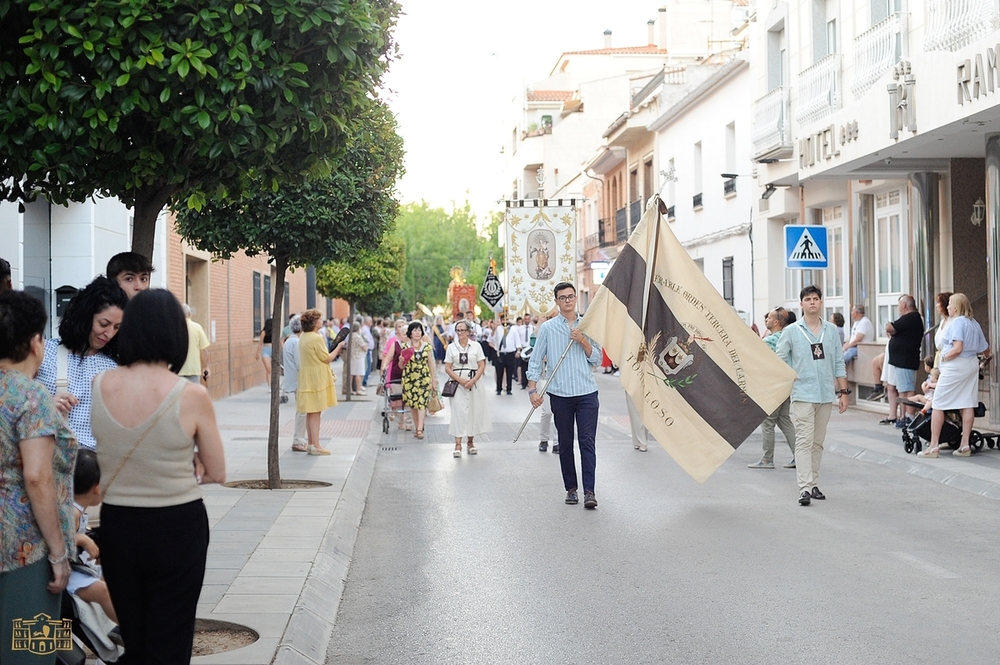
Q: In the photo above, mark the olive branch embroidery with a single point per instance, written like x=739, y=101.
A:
x=677, y=384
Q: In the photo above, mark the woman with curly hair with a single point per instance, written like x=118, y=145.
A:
x=417, y=362
x=87, y=333
x=316, y=392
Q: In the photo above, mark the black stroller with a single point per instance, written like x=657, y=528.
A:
x=951, y=431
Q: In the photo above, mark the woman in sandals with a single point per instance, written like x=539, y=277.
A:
x=417, y=361
x=316, y=391
x=465, y=363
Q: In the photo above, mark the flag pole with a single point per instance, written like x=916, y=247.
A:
x=543, y=389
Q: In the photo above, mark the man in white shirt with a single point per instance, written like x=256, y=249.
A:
x=524, y=330
x=862, y=330
x=506, y=340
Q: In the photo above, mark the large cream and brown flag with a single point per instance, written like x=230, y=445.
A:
x=701, y=378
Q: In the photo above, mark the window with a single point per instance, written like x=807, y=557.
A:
x=891, y=259
x=697, y=168
x=267, y=296
x=727, y=279
x=633, y=185
x=648, y=184
x=824, y=24
x=731, y=147
x=256, y=303
x=833, y=218
x=546, y=122
x=777, y=53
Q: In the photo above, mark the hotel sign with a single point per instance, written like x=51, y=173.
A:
x=825, y=144
x=976, y=80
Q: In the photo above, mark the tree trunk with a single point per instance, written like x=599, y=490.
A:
x=348, y=379
x=273, y=470
x=148, y=205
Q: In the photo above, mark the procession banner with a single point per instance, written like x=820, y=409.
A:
x=540, y=253
x=701, y=378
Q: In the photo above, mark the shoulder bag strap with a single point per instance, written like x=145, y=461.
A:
x=62, y=369
x=142, y=436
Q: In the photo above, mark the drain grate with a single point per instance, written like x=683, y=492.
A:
x=388, y=449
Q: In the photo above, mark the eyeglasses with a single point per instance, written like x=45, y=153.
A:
x=567, y=298
x=462, y=330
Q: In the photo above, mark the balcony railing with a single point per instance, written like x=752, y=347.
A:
x=877, y=50
x=671, y=213
x=591, y=241
x=602, y=234
x=696, y=201
x=634, y=213
x=621, y=225
x=728, y=186
x=772, y=132
x=954, y=24
x=819, y=90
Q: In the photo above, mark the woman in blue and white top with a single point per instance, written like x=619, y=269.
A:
x=87, y=331
x=958, y=385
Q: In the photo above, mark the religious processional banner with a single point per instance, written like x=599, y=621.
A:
x=540, y=253
x=700, y=377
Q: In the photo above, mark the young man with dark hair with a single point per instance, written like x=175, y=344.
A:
x=131, y=270
x=811, y=346
x=572, y=391
x=5, y=283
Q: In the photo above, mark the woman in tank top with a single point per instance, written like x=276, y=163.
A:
x=158, y=442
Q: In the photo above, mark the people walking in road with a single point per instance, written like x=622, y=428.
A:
x=465, y=363
x=37, y=454
x=862, y=330
x=317, y=391
x=393, y=373
x=572, y=391
x=439, y=339
x=419, y=379
x=291, y=360
x=506, y=341
x=906, y=334
x=158, y=441
x=87, y=336
x=776, y=321
x=812, y=348
x=958, y=385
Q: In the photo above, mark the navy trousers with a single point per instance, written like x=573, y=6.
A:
x=584, y=409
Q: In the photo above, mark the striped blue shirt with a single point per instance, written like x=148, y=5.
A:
x=575, y=377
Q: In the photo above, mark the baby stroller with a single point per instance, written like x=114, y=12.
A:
x=951, y=431
x=392, y=394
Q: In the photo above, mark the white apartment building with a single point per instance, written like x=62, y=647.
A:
x=879, y=120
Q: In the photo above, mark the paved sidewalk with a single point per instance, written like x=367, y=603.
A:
x=278, y=560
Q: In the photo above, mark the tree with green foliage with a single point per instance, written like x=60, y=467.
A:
x=321, y=220
x=365, y=277
x=178, y=103
x=436, y=241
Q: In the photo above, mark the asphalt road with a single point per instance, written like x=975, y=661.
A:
x=478, y=560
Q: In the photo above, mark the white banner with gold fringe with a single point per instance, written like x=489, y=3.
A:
x=540, y=253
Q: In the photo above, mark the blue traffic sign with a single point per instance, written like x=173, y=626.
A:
x=806, y=246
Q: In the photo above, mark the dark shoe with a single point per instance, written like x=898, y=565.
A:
x=499, y=391
x=790, y=465
x=589, y=500
x=805, y=498
x=571, y=498
x=878, y=393
x=509, y=392
x=816, y=494
x=543, y=446
x=902, y=423
x=555, y=448
x=887, y=421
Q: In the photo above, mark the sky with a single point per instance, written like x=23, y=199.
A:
x=459, y=67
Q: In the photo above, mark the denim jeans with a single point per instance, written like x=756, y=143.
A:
x=584, y=408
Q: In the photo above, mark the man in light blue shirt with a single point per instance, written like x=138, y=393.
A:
x=811, y=346
x=572, y=391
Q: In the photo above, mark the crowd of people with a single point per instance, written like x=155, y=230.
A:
x=111, y=414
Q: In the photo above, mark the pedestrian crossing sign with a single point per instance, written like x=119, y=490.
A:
x=805, y=246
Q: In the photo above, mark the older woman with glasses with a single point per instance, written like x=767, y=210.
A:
x=465, y=363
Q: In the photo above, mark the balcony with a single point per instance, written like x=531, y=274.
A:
x=877, y=50
x=621, y=225
x=729, y=187
x=634, y=213
x=602, y=235
x=819, y=90
x=772, y=131
x=954, y=24
x=592, y=241
x=696, y=201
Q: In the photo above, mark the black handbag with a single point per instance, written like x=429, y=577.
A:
x=450, y=388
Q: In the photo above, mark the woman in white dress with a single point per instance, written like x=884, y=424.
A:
x=958, y=385
x=942, y=310
x=465, y=362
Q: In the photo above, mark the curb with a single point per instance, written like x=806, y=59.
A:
x=307, y=635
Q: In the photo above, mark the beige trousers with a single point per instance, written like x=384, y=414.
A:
x=810, y=422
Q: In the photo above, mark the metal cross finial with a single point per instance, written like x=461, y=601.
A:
x=668, y=176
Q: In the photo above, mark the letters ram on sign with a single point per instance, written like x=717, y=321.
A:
x=976, y=77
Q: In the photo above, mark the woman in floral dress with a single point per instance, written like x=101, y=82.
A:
x=417, y=361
